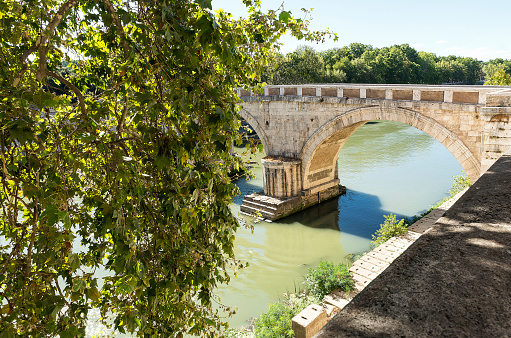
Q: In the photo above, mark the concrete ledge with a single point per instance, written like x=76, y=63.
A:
x=309, y=321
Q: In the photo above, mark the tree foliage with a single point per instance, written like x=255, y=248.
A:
x=360, y=63
x=494, y=65
x=499, y=78
x=116, y=121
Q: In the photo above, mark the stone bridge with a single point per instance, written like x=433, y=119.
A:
x=303, y=128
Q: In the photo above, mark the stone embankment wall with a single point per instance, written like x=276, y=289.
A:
x=454, y=281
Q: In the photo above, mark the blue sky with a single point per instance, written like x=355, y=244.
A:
x=479, y=29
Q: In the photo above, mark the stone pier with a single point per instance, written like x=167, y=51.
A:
x=283, y=194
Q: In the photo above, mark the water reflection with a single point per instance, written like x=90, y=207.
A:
x=322, y=216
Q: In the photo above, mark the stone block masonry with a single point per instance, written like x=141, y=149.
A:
x=308, y=322
x=265, y=207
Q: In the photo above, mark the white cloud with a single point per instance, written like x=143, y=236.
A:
x=441, y=41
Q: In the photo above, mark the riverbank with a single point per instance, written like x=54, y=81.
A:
x=453, y=281
x=368, y=267
x=364, y=270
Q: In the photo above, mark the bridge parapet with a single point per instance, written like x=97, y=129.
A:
x=495, y=95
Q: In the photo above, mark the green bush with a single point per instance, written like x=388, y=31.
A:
x=328, y=277
x=460, y=182
x=237, y=333
x=276, y=322
x=388, y=229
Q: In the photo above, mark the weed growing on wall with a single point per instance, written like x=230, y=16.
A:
x=388, y=229
x=460, y=182
x=328, y=277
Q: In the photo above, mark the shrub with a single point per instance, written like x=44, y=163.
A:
x=328, y=277
x=460, y=182
x=276, y=322
x=353, y=257
x=388, y=229
x=237, y=333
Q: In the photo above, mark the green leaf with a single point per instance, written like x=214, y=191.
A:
x=284, y=16
x=93, y=294
x=205, y=4
x=79, y=285
x=74, y=261
x=8, y=333
x=64, y=217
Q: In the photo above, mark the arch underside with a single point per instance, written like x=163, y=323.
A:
x=319, y=155
x=252, y=121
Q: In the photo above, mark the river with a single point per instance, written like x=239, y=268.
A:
x=387, y=167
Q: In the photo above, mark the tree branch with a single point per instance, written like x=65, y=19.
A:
x=118, y=25
x=120, y=125
x=77, y=91
x=41, y=40
x=125, y=47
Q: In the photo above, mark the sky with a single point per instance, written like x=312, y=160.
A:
x=468, y=28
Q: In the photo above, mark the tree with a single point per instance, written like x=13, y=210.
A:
x=304, y=65
x=124, y=169
x=495, y=64
x=473, y=69
x=357, y=49
x=499, y=78
x=429, y=74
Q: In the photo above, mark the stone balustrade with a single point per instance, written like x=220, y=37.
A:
x=428, y=93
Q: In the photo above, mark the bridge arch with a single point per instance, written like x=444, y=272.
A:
x=320, y=152
x=257, y=128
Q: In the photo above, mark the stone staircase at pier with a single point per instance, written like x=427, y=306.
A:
x=260, y=206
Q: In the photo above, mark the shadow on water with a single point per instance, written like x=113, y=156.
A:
x=246, y=188
x=356, y=213
x=321, y=216
x=361, y=213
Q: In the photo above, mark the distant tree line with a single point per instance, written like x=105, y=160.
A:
x=360, y=63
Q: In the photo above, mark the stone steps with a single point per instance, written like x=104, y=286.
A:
x=261, y=206
x=260, y=198
x=256, y=212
